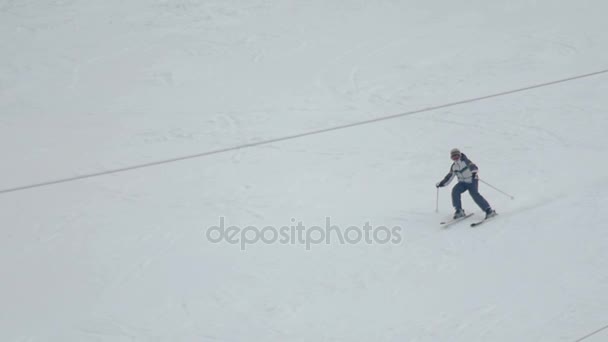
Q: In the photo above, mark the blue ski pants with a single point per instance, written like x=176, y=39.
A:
x=473, y=191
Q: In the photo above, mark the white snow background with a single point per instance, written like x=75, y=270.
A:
x=95, y=86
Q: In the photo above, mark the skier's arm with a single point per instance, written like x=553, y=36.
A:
x=447, y=179
x=474, y=169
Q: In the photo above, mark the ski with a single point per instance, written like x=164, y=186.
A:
x=475, y=224
x=450, y=222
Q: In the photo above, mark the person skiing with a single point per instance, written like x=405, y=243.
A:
x=466, y=171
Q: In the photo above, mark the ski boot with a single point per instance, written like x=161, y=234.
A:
x=459, y=213
x=490, y=213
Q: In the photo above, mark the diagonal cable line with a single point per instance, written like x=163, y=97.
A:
x=591, y=334
x=294, y=136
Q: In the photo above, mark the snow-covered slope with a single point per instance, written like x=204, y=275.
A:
x=90, y=87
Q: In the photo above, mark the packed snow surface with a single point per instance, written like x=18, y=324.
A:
x=88, y=87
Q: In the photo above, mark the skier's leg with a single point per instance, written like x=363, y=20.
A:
x=474, y=192
x=457, y=190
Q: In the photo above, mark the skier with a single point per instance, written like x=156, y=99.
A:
x=466, y=171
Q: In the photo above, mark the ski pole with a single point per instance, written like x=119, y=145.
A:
x=495, y=188
x=437, y=202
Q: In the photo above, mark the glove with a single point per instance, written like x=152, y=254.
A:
x=439, y=185
x=475, y=176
